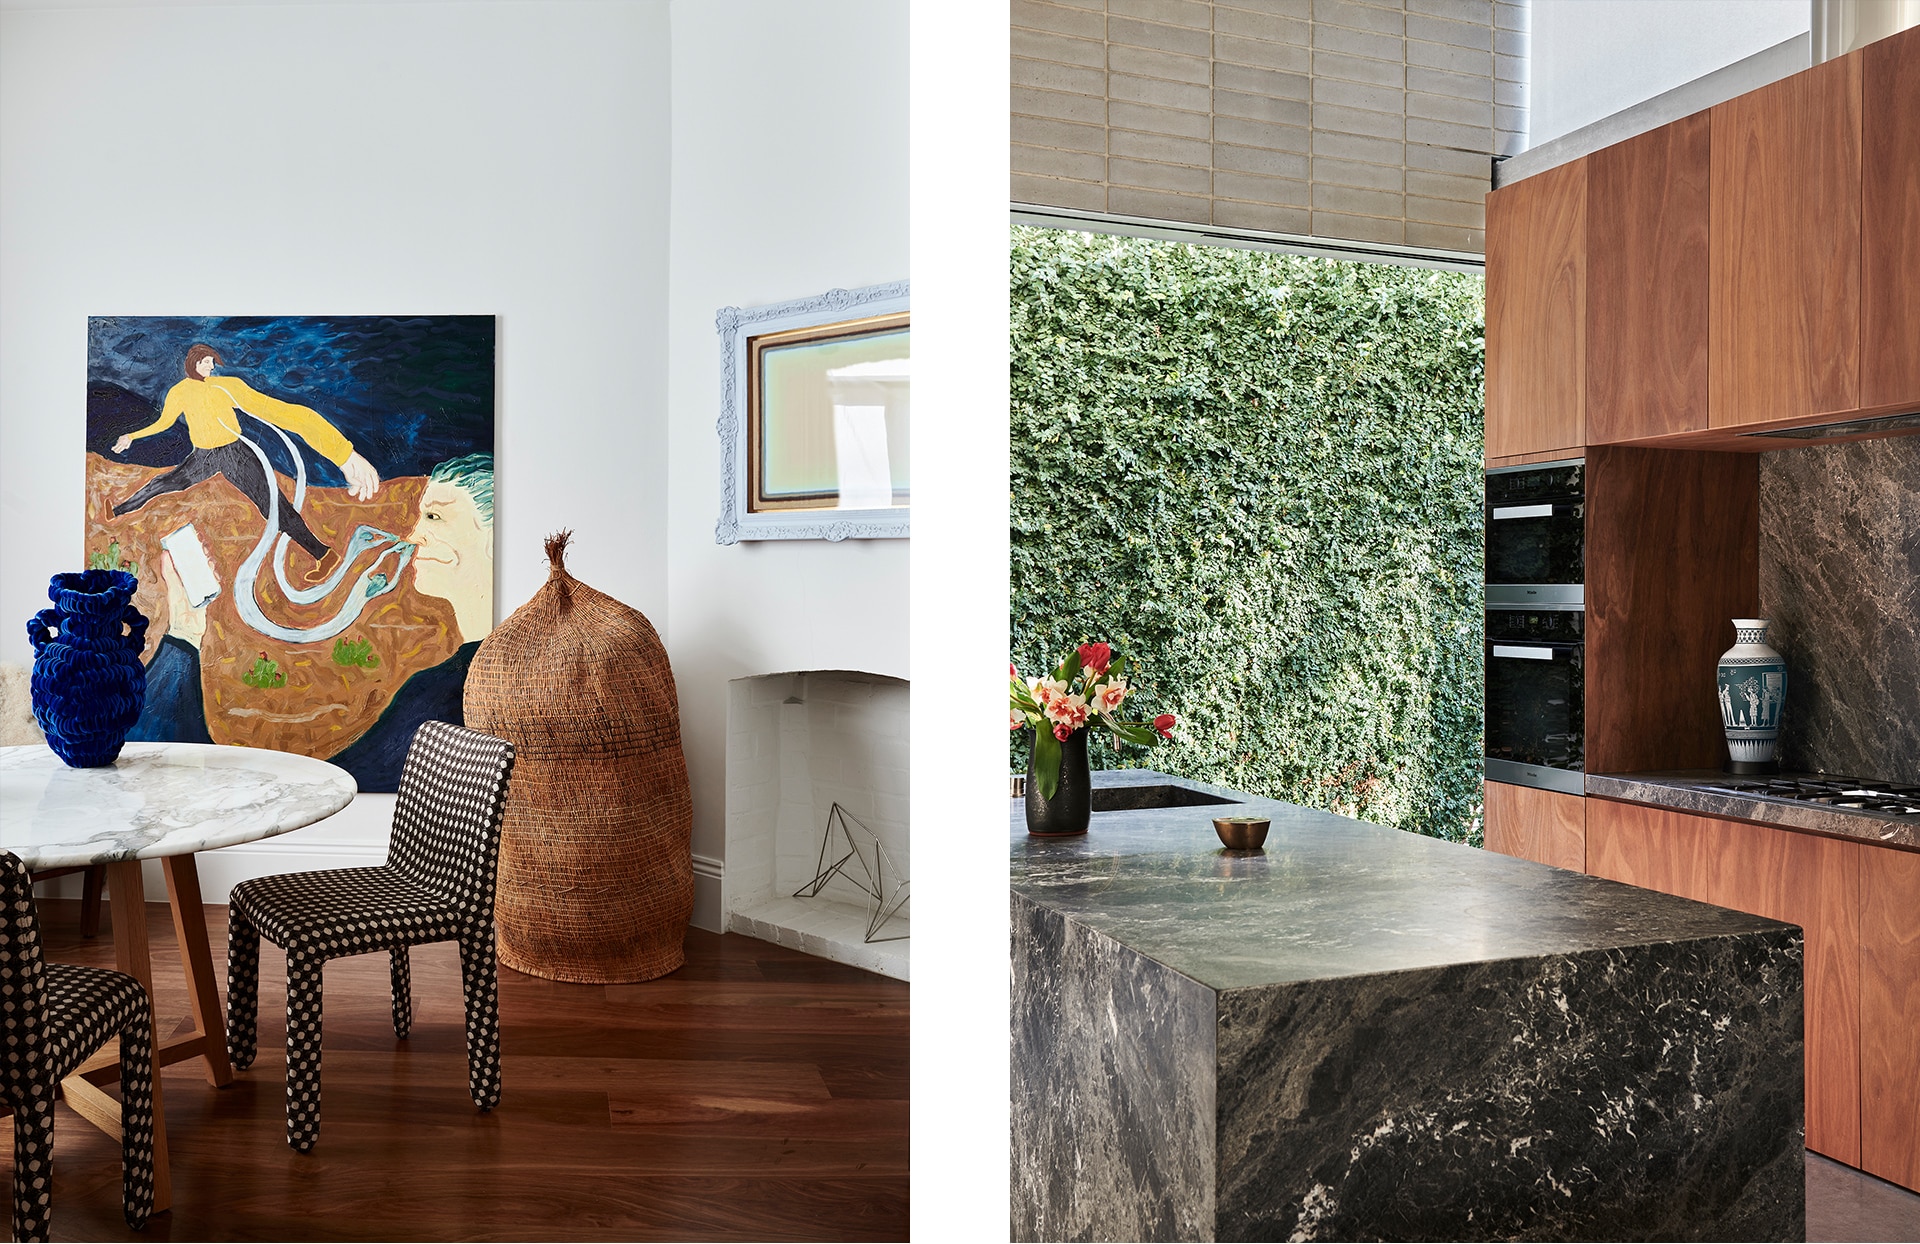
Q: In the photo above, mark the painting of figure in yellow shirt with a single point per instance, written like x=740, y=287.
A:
x=208, y=404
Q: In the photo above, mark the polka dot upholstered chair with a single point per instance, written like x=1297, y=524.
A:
x=53, y=1016
x=436, y=886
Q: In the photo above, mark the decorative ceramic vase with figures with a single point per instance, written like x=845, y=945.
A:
x=1753, y=691
x=88, y=684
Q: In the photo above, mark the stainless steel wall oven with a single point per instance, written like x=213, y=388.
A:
x=1537, y=534
x=1536, y=625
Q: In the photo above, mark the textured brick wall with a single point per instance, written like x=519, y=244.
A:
x=1372, y=120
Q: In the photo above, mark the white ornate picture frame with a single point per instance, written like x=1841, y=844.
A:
x=738, y=326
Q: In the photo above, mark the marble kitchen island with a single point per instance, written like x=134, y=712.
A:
x=1359, y=1033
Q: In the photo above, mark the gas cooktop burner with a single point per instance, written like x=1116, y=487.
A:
x=1885, y=798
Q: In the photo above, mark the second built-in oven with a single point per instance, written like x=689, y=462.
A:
x=1536, y=732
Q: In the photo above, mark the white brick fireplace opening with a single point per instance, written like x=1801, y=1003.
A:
x=798, y=743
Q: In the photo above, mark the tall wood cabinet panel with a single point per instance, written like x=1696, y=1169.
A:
x=1544, y=826
x=1647, y=282
x=1673, y=540
x=1890, y=222
x=1813, y=882
x=1784, y=330
x=1890, y=1017
x=1803, y=879
x=1536, y=313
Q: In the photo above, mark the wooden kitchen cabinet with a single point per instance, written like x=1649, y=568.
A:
x=1647, y=283
x=1536, y=313
x=1890, y=1017
x=1890, y=222
x=1544, y=826
x=1813, y=882
x=1648, y=847
x=1803, y=879
x=1784, y=326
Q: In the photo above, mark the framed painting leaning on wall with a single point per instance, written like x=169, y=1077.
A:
x=815, y=417
x=307, y=502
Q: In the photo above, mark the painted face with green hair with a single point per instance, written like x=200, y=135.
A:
x=453, y=539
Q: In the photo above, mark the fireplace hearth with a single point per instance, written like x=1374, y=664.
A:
x=798, y=744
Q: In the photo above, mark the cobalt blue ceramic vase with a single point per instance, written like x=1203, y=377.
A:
x=1752, y=680
x=88, y=683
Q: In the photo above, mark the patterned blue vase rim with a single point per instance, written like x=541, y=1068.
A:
x=92, y=592
x=1748, y=624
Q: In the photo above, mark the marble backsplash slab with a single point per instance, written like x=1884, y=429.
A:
x=1840, y=579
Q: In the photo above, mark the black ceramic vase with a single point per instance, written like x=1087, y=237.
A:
x=1071, y=807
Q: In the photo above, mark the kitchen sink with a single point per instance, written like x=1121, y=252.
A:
x=1135, y=798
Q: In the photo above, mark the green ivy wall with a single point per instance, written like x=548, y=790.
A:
x=1261, y=474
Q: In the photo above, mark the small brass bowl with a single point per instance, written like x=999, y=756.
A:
x=1242, y=833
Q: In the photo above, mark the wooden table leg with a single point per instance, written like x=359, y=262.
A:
x=196, y=957
x=127, y=891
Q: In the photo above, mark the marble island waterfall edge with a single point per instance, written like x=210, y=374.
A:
x=1576, y=1059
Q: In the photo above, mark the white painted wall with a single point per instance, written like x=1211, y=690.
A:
x=789, y=178
x=359, y=158
x=1592, y=58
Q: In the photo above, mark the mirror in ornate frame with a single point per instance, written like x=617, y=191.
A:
x=815, y=417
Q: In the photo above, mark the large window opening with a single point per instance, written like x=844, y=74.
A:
x=1262, y=473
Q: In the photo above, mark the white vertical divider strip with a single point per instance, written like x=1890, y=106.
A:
x=959, y=609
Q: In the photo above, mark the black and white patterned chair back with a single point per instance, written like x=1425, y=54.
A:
x=446, y=820
x=23, y=985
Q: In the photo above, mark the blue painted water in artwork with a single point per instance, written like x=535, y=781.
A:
x=408, y=391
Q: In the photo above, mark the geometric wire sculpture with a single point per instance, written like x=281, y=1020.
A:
x=872, y=879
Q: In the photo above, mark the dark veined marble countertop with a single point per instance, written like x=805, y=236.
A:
x=1692, y=790
x=1328, y=896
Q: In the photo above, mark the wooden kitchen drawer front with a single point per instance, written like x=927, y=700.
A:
x=1536, y=313
x=1544, y=826
x=1648, y=847
x=1890, y=1017
x=1803, y=879
x=1784, y=331
x=1647, y=282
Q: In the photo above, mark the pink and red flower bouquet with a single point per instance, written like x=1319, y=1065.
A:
x=1088, y=687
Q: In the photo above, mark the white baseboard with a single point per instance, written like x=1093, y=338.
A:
x=708, y=912
x=220, y=871
x=354, y=838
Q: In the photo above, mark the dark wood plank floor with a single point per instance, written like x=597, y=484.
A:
x=757, y=1093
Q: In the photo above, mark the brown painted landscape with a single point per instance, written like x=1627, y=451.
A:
x=323, y=706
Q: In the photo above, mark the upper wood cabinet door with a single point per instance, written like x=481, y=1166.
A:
x=1536, y=313
x=1784, y=329
x=1890, y=222
x=1647, y=280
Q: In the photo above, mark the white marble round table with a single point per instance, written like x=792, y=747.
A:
x=157, y=800
x=161, y=801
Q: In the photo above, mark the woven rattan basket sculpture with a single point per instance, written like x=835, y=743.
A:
x=596, y=864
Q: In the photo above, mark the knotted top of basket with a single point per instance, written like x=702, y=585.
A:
x=574, y=670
